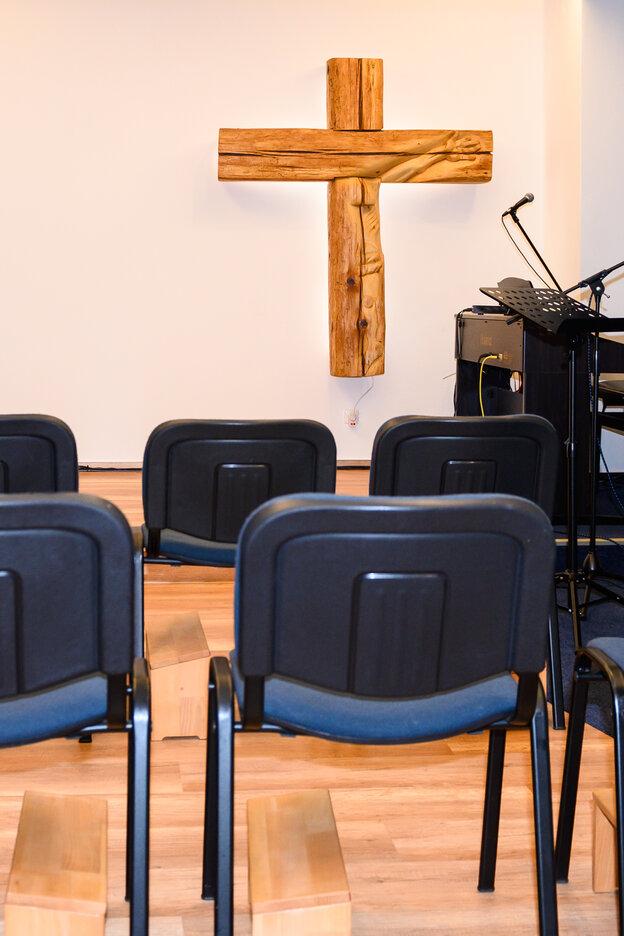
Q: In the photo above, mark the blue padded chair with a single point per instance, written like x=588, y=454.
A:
x=70, y=662
x=357, y=620
x=602, y=658
x=519, y=454
x=202, y=478
x=37, y=455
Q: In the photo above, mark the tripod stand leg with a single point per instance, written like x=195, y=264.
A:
x=573, y=604
x=591, y=565
x=554, y=665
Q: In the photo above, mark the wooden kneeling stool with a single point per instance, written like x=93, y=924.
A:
x=178, y=658
x=604, y=856
x=297, y=880
x=58, y=880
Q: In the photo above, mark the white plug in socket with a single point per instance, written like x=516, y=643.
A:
x=352, y=417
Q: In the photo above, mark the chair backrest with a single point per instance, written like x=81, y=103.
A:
x=66, y=590
x=204, y=477
x=418, y=455
x=393, y=597
x=37, y=455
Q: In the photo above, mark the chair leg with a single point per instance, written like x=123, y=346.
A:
x=554, y=665
x=571, y=769
x=209, y=865
x=609, y=669
x=218, y=859
x=491, y=809
x=543, y=819
x=139, y=623
x=617, y=687
x=138, y=804
x=130, y=816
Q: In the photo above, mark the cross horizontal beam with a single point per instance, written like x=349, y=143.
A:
x=303, y=155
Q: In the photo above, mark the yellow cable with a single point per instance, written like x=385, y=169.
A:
x=486, y=358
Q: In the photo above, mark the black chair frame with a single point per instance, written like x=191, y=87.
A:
x=135, y=722
x=70, y=560
x=592, y=664
x=530, y=712
x=218, y=851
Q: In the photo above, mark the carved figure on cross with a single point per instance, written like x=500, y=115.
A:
x=354, y=155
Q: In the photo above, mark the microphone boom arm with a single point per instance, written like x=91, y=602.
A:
x=591, y=281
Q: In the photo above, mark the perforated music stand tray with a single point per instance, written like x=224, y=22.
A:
x=548, y=308
x=553, y=310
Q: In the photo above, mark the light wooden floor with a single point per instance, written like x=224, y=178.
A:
x=408, y=816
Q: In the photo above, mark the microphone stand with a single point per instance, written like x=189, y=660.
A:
x=572, y=576
x=591, y=564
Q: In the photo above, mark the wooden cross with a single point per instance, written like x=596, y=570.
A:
x=355, y=155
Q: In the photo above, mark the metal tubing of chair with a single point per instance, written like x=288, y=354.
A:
x=554, y=663
x=617, y=686
x=209, y=864
x=610, y=669
x=543, y=819
x=491, y=809
x=139, y=625
x=571, y=768
x=139, y=905
x=130, y=816
x=219, y=841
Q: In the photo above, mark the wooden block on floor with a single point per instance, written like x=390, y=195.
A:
x=178, y=658
x=604, y=857
x=297, y=880
x=58, y=880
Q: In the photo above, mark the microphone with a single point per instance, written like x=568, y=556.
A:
x=522, y=201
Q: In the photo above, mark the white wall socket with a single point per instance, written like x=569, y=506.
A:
x=352, y=417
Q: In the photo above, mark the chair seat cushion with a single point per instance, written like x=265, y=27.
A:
x=62, y=710
x=612, y=646
x=303, y=708
x=196, y=551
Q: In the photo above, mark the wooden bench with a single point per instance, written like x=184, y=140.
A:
x=178, y=658
x=58, y=880
x=297, y=880
x=604, y=857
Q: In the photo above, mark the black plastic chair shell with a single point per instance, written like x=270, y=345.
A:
x=37, y=455
x=202, y=478
x=518, y=454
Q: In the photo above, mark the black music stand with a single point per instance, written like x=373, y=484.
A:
x=556, y=312
x=592, y=567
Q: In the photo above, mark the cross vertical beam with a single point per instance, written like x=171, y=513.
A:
x=357, y=322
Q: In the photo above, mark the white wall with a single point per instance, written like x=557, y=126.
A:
x=137, y=288
x=562, y=138
x=602, y=146
x=602, y=141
